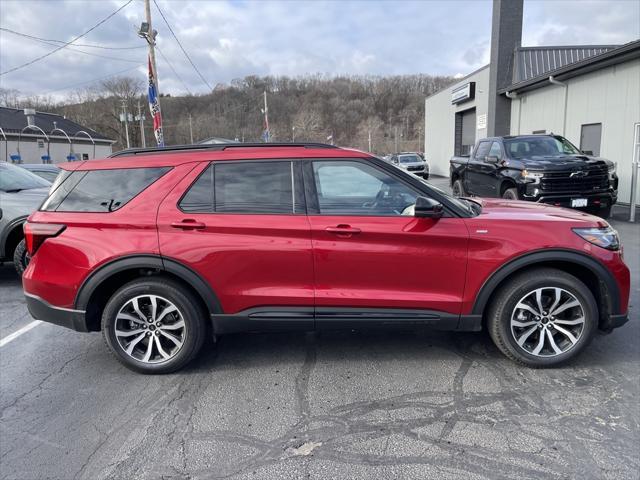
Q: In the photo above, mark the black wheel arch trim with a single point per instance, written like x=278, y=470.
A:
x=4, y=235
x=533, y=258
x=153, y=262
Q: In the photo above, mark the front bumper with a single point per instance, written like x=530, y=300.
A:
x=594, y=200
x=40, y=309
x=614, y=321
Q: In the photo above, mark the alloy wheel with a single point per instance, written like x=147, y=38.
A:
x=150, y=329
x=547, y=321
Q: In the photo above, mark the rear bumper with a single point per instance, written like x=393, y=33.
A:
x=40, y=309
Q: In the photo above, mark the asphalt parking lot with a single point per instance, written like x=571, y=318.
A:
x=375, y=405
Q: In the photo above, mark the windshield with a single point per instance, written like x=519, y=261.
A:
x=15, y=179
x=409, y=159
x=530, y=147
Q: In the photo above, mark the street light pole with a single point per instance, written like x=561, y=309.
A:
x=293, y=134
x=152, y=43
x=369, y=141
x=190, y=130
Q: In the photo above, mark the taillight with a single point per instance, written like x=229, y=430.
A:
x=36, y=233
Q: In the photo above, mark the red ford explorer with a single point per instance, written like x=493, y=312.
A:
x=159, y=249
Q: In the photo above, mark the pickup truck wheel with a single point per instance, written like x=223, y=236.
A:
x=458, y=189
x=604, y=212
x=543, y=318
x=510, y=194
x=21, y=257
x=153, y=326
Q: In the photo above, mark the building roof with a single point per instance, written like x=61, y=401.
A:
x=536, y=67
x=13, y=120
x=532, y=62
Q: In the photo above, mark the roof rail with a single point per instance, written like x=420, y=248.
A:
x=215, y=147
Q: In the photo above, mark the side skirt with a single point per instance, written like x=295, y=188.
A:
x=270, y=319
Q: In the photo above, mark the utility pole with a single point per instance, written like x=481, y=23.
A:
x=369, y=141
x=190, y=130
x=420, y=146
x=396, y=138
x=265, y=110
x=151, y=40
x=141, y=120
x=124, y=117
x=293, y=134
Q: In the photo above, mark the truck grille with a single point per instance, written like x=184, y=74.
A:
x=418, y=168
x=595, y=177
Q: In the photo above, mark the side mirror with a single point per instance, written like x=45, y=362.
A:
x=491, y=159
x=428, y=208
x=394, y=161
x=588, y=152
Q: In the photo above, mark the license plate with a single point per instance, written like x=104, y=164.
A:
x=578, y=202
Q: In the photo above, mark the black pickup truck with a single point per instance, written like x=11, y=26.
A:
x=538, y=168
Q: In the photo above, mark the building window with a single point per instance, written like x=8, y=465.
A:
x=40, y=143
x=85, y=156
x=590, y=137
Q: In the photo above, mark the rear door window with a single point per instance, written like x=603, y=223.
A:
x=260, y=187
x=100, y=190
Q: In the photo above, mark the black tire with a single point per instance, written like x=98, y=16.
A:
x=425, y=176
x=21, y=257
x=458, y=189
x=503, y=306
x=188, y=310
x=510, y=194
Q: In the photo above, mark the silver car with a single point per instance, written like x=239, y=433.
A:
x=412, y=163
x=21, y=192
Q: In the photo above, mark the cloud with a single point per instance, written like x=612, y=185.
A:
x=234, y=38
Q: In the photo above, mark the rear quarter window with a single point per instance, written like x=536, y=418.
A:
x=100, y=190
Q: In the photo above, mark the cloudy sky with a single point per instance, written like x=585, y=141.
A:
x=234, y=38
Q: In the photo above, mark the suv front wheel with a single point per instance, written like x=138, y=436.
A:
x=543, y=317
x=153, y=325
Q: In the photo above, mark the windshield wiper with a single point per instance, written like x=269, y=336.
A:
x=14, y=190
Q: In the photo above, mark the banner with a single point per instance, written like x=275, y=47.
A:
x=154, y=107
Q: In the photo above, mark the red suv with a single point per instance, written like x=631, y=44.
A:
x=159, y=249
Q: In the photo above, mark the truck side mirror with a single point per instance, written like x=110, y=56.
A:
x=427, y=208
x=491, y=159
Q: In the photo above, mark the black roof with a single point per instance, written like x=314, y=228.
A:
x=13, y=120
x=215, y=147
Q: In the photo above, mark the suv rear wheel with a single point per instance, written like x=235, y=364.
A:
x=21, y=257
x=543, y=317
x=153, y=326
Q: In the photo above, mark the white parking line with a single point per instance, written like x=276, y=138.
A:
x=17, y=333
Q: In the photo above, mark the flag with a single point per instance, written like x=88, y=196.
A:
x=154, y=107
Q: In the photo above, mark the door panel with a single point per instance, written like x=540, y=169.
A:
x=250, y=260
x=371, y=255
x=392, y=262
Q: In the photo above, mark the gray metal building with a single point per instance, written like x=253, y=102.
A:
x=588, y=93
x=40, y=137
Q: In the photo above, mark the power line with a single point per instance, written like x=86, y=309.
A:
x=49, y=40
x=94, y=79
x=173, y=70
x=31, y=62
x=181, y=47
x=72, y=47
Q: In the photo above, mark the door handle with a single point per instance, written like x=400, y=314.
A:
x=343, y=230
x=188, y=224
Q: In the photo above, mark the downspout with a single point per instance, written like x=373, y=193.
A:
x=553, y=81
x=514, y=96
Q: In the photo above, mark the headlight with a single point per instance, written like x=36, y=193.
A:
x=605, y=237
x=532, y=177
x=612, y=168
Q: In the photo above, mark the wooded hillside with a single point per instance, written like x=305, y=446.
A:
x=312, y=108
